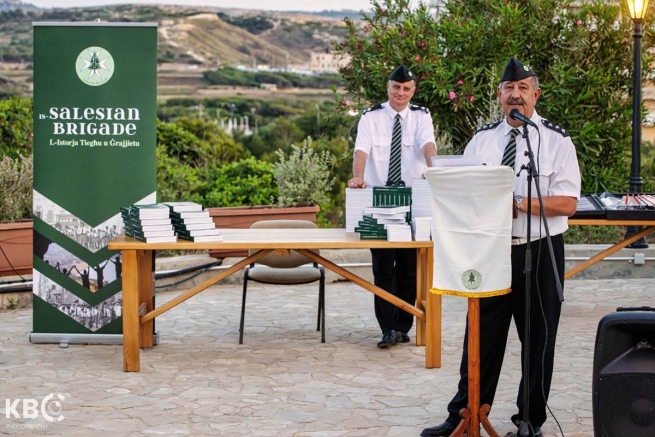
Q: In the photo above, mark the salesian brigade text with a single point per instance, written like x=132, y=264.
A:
x=93, y=121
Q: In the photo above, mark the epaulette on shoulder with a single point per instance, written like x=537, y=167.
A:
x=419, y=108
x=373, y=108
x=488, y=126
x=556, y=128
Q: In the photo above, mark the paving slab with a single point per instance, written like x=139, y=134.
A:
x=282, y=381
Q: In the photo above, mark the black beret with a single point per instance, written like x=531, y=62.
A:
x=516, y=70
x=402, y=74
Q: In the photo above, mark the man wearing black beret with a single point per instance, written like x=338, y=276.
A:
x=502, y=143
x=395, y=144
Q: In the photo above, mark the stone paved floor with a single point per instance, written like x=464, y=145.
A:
x=283, y=381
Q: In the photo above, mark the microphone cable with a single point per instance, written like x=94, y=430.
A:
x=541, y=304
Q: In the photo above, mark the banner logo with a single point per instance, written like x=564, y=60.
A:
x=94, y=66
x=472, y=279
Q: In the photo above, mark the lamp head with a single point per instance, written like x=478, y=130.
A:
x=638, y=9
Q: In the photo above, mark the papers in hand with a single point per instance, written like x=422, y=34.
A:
x=456, y=160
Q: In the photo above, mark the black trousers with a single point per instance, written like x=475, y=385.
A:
x=394, y=270
x=495, y=317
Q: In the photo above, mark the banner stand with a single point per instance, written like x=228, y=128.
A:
x=65, y=339
x=95, y=139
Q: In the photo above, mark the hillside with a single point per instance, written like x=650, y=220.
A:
x=210, y=37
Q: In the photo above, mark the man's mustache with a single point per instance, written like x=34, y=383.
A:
x=515, y=102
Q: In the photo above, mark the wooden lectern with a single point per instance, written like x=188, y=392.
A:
x=475, y=415
x=478, y=222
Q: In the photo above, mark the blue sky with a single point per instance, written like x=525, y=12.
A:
x=278, y=5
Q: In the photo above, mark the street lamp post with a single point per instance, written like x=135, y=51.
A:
x=637, y=10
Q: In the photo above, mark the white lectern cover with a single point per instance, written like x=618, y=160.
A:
x=472, y=230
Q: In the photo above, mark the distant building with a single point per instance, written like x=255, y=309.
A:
x=327, y=62
x=236, y=124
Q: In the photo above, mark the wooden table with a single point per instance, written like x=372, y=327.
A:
x=138, y=279
x=649, y=227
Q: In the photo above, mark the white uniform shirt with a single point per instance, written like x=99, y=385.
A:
x=555, y=157
x=374, y=138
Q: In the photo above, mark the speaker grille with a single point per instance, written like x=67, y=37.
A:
x=627, y=404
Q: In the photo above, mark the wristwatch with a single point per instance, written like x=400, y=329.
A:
x=518, y=200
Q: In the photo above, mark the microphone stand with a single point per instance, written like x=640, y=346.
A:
x=525, y=428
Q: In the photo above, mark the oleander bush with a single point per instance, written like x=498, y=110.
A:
x=583, y=57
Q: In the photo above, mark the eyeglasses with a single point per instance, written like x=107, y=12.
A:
x=395, y=184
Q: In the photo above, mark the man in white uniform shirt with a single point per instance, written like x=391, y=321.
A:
x=502, y=143
x=395, y=144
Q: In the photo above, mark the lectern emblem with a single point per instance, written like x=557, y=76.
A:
x=472, y=279
x=94, y=66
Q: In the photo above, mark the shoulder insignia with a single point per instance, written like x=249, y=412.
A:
x=372, y=108
x=488, y=126
x=556, y=128
x=419, y=108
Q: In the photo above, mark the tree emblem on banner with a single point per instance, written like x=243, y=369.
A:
x=94, y=66
x=472, y=279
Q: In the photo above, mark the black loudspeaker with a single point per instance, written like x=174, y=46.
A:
x=624, y=374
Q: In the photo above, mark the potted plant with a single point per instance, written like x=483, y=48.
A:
x=15, y=215
x=303, y=180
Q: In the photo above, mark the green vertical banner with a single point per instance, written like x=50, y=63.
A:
x=95, y=133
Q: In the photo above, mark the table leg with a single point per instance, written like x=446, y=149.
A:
x=146, y=289
x=130, y=311
x=432, y=318
x=421, y=292
x=609, y=251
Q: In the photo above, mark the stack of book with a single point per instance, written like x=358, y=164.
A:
x=422, y=228
x=356, y=200
x=192, y=222
x=392, y=196
x=399, y=232
x=421, y=198
x=373, y=225
x=149, y=223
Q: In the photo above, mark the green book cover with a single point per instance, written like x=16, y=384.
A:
x=372, y=237
x=370, y=230
x=393, y=196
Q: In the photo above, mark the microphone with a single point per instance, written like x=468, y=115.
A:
x=516, y=115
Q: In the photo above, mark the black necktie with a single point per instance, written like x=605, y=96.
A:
x=394, y=159
x=509, y=156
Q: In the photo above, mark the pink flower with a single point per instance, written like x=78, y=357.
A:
x=460, y=82
x=418, y=58
x=31, y=134
x=452, y=95
x=471, y=99
x=579, y=22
